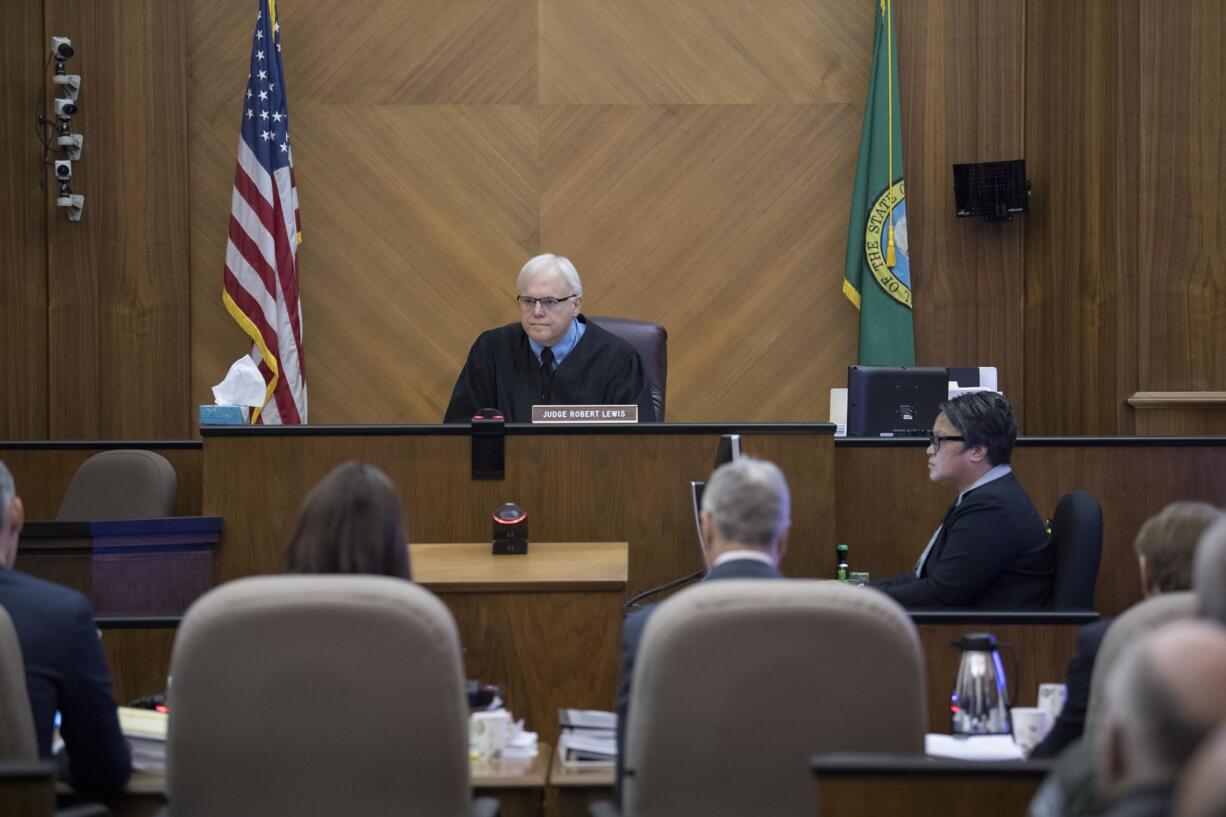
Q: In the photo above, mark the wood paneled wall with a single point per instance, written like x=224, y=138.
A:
x=693, y=157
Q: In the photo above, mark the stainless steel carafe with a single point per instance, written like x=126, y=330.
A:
x=979, y=704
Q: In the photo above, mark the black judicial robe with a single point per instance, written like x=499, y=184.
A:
x=501, y=372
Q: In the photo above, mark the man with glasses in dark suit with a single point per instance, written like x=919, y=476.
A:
x=992, y=550
x=553, y=355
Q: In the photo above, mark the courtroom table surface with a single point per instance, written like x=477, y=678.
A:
x=471, y=567
x=570, y=790
x=518, y=784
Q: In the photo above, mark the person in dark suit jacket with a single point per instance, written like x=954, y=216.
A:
x=745, y=518
x=66, y=669
x=992, y=550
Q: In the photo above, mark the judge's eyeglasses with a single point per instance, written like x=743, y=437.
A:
x=548, y=304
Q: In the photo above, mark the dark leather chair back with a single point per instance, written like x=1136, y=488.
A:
x=650, y=340
x=120, y=484
x=1077, y=534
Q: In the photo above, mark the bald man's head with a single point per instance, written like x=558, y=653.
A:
x=1202, y=785
x=1163, y=697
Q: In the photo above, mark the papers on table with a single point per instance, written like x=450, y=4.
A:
x=588, y=738
x=973, y=747
x=145, y=731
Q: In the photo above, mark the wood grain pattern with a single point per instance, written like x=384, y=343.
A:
x=583, y=488
x=117, y=282
x=961, y=68
x=710, y=220
x=139, y=661
x=852, y=796
x=24, y=192
x=644, y=52
x=1082, y=145
x=42, y=476
x=1182, y=217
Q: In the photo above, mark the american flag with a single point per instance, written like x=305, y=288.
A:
x=261, y=279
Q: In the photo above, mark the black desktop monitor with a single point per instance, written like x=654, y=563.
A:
x=885, y=401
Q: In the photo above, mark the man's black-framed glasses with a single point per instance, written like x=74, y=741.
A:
x=548, y=304
x=935, y=440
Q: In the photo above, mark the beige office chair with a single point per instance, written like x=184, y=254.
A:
x=120, y=484
x=738, y=684
x=17, y=738
x=318, y=695
x=1132, y=625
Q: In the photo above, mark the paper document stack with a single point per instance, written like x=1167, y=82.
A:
x=145, y=730
x=588, y=738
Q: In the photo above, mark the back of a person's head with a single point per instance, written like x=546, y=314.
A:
x=984, y=418
x=1167, y=542
x=1209, y=572
x=1201, y=791
x=350, y=522
x=749, y=502
x=1164, y=696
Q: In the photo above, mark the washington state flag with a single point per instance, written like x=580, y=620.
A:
x=877, y=278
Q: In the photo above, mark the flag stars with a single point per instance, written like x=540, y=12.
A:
x=278, y=116
x=285, y=147
x=263, y=75
x=259, y=55
x=266, y=136
x=249, y=90
x=250, y=113
x=259, y=34
x=263, y=96
x=264, y=115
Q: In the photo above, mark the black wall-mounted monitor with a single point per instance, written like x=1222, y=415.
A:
x=886, y=401
x=994, y=190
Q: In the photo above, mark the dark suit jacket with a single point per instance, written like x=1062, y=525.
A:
x=66, y=671
x=632, y=635
x=993, y=552
x=1072, y=721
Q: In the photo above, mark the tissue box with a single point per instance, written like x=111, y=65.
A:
x=223, y=415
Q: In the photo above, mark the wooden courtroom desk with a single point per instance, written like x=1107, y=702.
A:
x=544, y=626
x=577, y=484
x=570, y=791
x=27, y=788
x=866, y=785
x=517, y=783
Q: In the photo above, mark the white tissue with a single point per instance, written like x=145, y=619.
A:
x=242, y=386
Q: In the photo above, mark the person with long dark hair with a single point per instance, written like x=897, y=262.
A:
x=351, y=522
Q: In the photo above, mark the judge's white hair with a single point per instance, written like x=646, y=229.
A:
x=550, y=264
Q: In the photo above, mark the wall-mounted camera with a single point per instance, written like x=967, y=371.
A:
x=61, y=48
x=63, y=169
x=65, y=109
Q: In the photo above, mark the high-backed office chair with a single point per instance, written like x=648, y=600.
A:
x=318, y=695
x=738, y=684
x=1132, y=625
x=17, y=738
x=120, y=484
x=1077, y=534
x=650, y=340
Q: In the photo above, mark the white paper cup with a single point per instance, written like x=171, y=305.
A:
x=1030, y=725
x=1052, y=697
x=488, y=732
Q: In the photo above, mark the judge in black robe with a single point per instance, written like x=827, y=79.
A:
x=503, y=371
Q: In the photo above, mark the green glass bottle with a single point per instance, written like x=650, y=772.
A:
x=841, y=570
